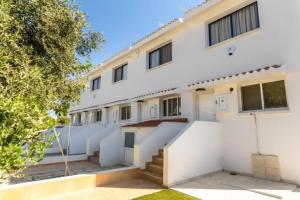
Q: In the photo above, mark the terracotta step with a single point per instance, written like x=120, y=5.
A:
x=153, y=177
x=153, y=168
x=161, y=153
x=158, y=160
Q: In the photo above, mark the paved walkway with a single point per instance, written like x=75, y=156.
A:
x=223, y=186
x=123, y=190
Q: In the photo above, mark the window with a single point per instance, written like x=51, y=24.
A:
x=237, y=23
x=125, y=112
x=172, y=107
x=129, y=140
x=160, y=56
x=98, y=116
x=96, y=83
x=120, y=73
x=78, y=118
x=271, y=95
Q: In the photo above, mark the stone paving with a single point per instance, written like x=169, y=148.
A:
x=42, y=172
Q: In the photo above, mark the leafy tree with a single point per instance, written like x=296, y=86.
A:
x=40, y=43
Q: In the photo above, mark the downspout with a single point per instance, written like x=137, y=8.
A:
x=256, y=133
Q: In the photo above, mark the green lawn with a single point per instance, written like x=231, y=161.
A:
x=167, y=195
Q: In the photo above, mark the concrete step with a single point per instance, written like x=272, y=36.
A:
x=155, y=169
x=158, y=160
x=152, y=177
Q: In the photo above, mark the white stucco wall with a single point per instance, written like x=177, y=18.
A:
x=156, y=140
x=195, y=151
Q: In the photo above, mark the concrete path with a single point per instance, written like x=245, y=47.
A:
x=123, y=190
x=223, y=186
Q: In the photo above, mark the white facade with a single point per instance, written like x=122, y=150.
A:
x=275, y=42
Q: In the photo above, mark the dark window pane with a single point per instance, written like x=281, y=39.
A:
x=98, y=116
x=165, y=108
x=119, y=73
x=154, y=59
x=220, y=30
x=79, y=118
x=96, y=83
x=251, y=97
x=166, y=53
x=125, y=112
x=129, y=140
x=245, y=20
x=179, y=106
x=237, y=23
x=274, y=95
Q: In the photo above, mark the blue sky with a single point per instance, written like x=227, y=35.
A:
x=125, y=21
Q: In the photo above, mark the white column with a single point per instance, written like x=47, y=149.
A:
x=189, y=105
x=105, y=116
x=135, y=112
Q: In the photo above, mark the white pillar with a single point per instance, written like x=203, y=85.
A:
x=105, y=116
x=135, y=112
x=189, y=105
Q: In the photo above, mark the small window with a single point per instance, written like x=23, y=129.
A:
x=172, y=107
x=160, y=56
x=125, y=112
x=79, y=118
x=129, y=140
x=264, y=96
x=98, y=116
x=96, y=83
x=120, y=73
x=274, y=95
x=237, y=23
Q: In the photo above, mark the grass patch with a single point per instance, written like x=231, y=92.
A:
x=167, y=195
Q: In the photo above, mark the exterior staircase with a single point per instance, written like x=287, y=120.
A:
x=94, y=158
x=154, y=169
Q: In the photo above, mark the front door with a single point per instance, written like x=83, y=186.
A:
x=129, y=147
x=207, y=107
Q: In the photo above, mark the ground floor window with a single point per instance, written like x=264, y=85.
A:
x=125, y=112
x=172, y=107
x=264, y=96
x=98, y=116
x=129, y=140
x=78, y=118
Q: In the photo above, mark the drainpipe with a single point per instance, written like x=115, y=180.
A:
x=256, y=133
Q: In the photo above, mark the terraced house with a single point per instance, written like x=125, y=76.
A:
x=217, y=89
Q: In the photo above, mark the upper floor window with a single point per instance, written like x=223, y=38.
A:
x=160, y=56
x=96, y=83
x=264, y=96
x=237, y=23
x=120, y=73
x=125, y=112
x=172, y=107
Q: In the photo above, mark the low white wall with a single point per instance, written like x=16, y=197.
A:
x=157, y=139
x=112, y=149
x=195, y=151
x=78, y=139
x=60, y=159
x=93, y=141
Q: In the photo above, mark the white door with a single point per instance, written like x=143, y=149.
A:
x=207, y=107
x=129, y=147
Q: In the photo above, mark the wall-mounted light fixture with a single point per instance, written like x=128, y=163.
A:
x=200, y=89
x=231, y=89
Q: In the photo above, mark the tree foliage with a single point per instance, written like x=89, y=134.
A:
x=40, y=43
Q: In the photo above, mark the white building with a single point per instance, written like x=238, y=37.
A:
x=231, y=68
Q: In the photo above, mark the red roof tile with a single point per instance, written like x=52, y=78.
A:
x=154, y=123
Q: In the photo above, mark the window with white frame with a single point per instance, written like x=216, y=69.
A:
x=125, y=113
x=234, y=24
x=172, y=107
x=120, y=73
x=98, y=116
x=160, y=56
x=264, y=96
x=96, y=83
